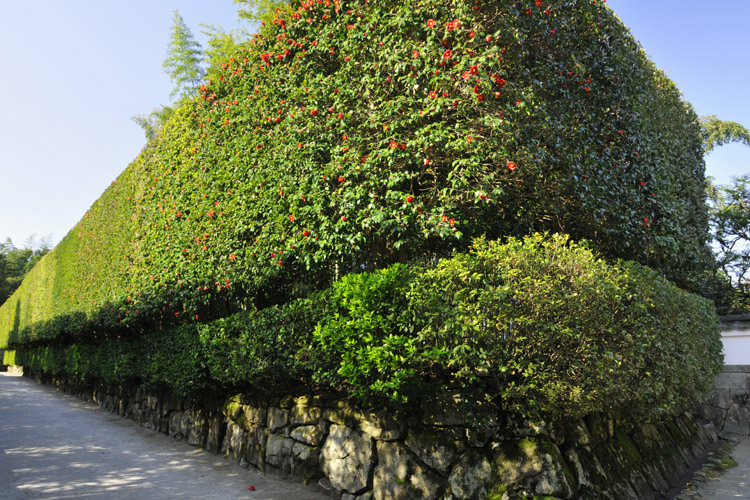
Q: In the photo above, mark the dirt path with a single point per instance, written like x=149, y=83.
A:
x=54, y=446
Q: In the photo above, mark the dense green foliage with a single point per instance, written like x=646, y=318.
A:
x=351, y=136
x=15, y=263
x=730, y=222
x=539, y=326
x=719, y=132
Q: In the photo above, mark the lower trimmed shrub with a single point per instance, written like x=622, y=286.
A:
x=540, y=326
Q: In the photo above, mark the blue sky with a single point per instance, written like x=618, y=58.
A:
x=75, y=71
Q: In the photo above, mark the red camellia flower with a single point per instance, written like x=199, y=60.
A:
x=344, y=218
x=414, y=54
x=474, y=70
x=314, y=112
x=466, y=76
x=305, y=233
x=447, y=54
x=430, y=23
x=538, y=3
x=291, y=218
x=394, y=144
x=409, y=199
x=432, y=94
x=528, y=12
x=511, y=166
x=341, y=179
x=232, y=257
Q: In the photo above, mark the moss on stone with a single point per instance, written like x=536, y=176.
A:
x=629, y=450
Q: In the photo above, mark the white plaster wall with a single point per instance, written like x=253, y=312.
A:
x=736, y=345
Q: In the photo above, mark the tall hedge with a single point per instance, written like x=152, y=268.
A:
x=539, y=327
x=353, y=135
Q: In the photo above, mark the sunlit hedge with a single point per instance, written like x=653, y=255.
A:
x=349, y=136
x=539, y=327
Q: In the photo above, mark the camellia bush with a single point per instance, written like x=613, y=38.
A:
x=353, y=136
x=539, y=327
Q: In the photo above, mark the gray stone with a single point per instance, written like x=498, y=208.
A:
x=255, y=447
x=471, y=476
x=721, y=398
x=715, y=415
x=347, y=459
x=382, y=426
x=175, y=425
x=216, y=430
x=399, y=475
x=536, y=465
x=734, y=381
x=234, y=441
x=255, y=415
x=365, y=496
x=305, y=415
x=279, y=452
x=738, y=420
x=309, y=434
x=305, y=462
x=437, y=450
x=277, y=419
x=348, y=496
x=198, y=428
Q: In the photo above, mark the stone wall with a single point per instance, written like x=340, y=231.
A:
x=431, y=454
x=729, y=405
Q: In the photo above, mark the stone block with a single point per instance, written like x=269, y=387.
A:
x=721, y=398
x=305, y=415
x=305, y=462
x=217, y=427
x=255, y=415
x=399, y=475
x=471, y=476
x=733, y=381
x=436, y=449
x=198, y=428
x=308, y=434
x=382, y=426
x=277, y=419
x=738, y=420
x=175, y=425
x=255, y=448
x=348, y=458
x=279, y=453
x=535, y=465
x=235, y=441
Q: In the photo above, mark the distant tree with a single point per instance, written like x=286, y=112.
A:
x=183, y=62
x=15, y=263
x=730, y=221
x=183, y=65
x=718, y=132
x=153, y=121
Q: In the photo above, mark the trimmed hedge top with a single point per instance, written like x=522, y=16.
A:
x=352, y=135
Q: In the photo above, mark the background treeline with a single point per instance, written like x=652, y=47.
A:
x=351, y=138
x=15, y=263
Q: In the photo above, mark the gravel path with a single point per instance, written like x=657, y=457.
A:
x=55, y=446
